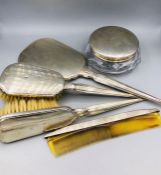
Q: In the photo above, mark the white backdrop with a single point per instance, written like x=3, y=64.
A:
x=72, y=21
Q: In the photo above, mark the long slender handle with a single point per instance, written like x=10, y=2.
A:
x=87, y=89
x=101, y=108
x=103, y=79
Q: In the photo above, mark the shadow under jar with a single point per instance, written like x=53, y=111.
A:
x=113, y=50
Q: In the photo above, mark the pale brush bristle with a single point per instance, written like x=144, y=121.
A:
x=13, y=104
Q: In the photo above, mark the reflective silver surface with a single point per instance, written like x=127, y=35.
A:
x=113, y=43
x=26, y=80
x=52, y=54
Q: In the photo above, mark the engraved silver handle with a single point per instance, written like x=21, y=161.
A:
x=103, y=79
x=101, y=108
x=87, y=89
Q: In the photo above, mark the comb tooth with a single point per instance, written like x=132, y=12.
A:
x=69, y=142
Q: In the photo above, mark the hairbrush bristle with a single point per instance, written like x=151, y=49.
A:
x=13, y=104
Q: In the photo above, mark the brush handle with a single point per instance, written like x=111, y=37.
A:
x=101, y=108
x=87, y=89
x=103, y=79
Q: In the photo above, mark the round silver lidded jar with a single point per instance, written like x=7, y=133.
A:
x=113, y=50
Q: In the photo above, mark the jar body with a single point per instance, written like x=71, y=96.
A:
x=112, y=67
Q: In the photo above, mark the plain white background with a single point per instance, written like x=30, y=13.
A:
x=72, y=21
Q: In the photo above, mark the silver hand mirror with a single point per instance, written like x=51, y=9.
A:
x=71, y=64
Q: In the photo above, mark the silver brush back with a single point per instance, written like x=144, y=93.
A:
x=26, y=80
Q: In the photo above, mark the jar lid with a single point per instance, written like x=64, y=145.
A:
x=114, y=44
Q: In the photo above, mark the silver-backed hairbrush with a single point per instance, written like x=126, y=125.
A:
x=18, y=126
